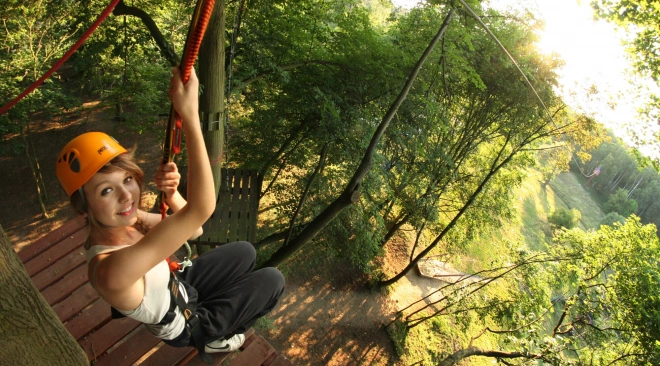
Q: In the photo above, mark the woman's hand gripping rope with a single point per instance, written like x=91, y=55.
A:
x=167, y=181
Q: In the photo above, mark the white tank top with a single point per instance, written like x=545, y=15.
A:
x=156, y=299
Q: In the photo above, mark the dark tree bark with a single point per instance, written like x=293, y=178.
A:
x=31, y=332
x=212, y=79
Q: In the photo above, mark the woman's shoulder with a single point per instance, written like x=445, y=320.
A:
x=97, y=249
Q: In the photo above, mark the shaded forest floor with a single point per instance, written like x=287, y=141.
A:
x=327, y=315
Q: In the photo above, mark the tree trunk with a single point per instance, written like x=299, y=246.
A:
x=393, y=230
x=31, y=332
x=212, y=79
x=635, y=187
x=35, y=174
x=212, y=100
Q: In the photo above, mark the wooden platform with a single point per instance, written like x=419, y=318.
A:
x=56, y=264
x=235, y=215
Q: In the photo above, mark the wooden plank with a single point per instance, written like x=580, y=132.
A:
x=222, y=223
x=133, y=347
x=255, y=354
x=59, y=269
x=273, y=356
x=91, y=319
x=52, y=238
x=55, y=253
x=221, y=208
x=225, y=218
x=281, y=360
x=76, y=302
x=193, y=359
x=66, y=286
x=253, y=208
x=100, y=341
x=167, y=355
x=242, y=217
x=234, y=208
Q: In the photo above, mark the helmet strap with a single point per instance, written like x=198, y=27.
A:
x=82, y=195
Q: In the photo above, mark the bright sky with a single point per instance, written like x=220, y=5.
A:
x=594, y=56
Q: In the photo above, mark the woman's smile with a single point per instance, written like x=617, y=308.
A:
x=127, y=211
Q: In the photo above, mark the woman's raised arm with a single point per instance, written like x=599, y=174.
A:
x=126, y=266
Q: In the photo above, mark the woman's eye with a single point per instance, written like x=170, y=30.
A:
x=128, y=179
x=105, y=191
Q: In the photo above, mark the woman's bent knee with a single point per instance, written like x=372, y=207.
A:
x=245, y=250
x=274, y=277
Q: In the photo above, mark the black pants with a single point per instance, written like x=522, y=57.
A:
x=231, y=297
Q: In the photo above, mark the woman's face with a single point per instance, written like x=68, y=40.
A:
x=113, y=198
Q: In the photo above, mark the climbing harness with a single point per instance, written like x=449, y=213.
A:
x=182, y=296
x=187, y=307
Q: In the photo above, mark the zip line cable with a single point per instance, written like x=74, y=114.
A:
x=515, y=63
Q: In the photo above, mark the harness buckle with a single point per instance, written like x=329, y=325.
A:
x=186, y=263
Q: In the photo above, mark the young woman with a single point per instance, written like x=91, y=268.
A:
x=127, y=247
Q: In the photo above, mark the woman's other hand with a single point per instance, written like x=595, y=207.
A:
x=167, y=179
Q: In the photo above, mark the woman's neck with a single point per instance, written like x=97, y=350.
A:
x=123, y=235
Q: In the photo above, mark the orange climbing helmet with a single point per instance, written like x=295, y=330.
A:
x=83, y=156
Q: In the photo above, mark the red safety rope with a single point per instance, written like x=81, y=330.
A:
x=198, y=24
x=66, y=56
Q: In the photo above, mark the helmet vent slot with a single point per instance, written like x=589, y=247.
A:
x=75, y=165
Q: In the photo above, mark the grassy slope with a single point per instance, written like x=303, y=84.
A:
x=567, y=187
x=535, y=202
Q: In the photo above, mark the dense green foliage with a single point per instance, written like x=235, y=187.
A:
x=618, y=202
x=589, y=299
x=33, y=38
x=567, y=219
x=612, y=218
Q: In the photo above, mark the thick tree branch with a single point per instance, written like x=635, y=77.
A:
x=319, y=167
x=166, y=48
x=474, y=351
